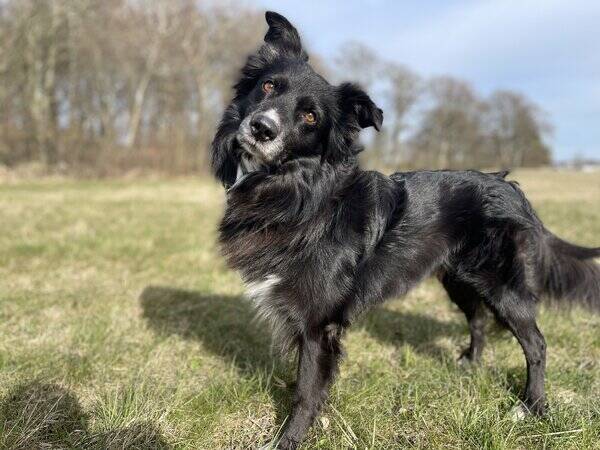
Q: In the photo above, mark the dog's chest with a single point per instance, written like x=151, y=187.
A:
x=261, y=291
x=268, y=296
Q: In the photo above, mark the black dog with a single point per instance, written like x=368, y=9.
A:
x=318, y=241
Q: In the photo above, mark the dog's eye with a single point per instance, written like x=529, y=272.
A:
x=268, y=86
x=309, y=117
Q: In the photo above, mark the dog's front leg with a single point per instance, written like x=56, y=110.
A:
x=319, y=354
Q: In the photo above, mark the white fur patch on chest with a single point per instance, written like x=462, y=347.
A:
x=261, y=290
x=273, y=307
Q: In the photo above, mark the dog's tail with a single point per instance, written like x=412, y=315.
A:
x=569, y=275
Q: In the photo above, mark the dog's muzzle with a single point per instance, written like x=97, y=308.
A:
x=260, y=134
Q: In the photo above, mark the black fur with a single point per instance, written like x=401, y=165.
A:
x=318, y=240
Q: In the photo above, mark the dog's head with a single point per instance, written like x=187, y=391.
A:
x=284, y=110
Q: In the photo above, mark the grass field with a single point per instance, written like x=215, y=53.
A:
x=120, y=327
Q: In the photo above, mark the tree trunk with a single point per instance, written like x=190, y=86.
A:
x=41, y=63
x=135, y=116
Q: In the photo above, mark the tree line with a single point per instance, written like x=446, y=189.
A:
x=443, y=122
x=103, y=87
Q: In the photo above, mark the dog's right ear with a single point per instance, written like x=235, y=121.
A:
x=282, y=37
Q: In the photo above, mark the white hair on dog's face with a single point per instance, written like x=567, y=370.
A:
x=263, y=151
x=273, y=115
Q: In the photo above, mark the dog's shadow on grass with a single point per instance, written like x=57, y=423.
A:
x=226, y=326
x=36, y=415
x=419, y=331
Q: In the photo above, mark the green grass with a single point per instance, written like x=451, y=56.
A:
x=120, y=327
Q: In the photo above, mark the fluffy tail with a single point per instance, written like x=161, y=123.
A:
x=569, y=274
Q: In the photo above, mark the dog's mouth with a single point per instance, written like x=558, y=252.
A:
x=249, y=144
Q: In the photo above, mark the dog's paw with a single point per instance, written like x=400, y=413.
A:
x=538, y=408
x=522, y=410
x=466, y=360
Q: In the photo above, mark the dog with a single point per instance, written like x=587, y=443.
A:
x=318, y=241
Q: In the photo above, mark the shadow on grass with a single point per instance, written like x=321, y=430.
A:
x=419, y=331
x=40, y=415
x=226, y=326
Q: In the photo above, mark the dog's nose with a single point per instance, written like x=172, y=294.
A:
x=263, y=128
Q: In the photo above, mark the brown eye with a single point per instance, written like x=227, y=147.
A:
x=309, y=117
x=268, y=86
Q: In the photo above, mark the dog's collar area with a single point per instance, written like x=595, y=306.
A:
x=245, y=166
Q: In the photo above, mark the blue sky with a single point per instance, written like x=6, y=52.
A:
x=546, y=49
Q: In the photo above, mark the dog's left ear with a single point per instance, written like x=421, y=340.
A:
x=356, y=103
x=357, y=112
x=282, y=36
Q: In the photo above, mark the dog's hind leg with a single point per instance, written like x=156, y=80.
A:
x=517, y=312
x=471, y=304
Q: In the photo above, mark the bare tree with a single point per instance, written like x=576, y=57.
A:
x=450, y=134
x=515, y=130
x=117, y=82
x=403, y=91
x=35, y=61
x=359, y=63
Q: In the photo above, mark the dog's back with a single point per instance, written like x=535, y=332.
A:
x=491, y=228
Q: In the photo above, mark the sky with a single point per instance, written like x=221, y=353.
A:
x=548, y=50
